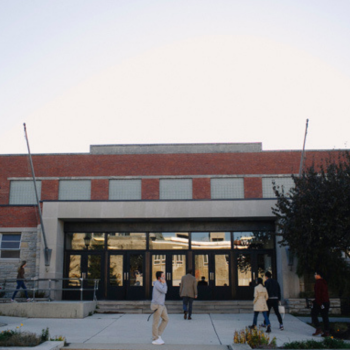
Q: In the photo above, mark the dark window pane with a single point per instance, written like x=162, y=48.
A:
x=10, y=245
x=13, y=238
x=10, y=254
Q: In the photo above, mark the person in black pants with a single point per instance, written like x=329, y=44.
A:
x=274, y=291
x=320, y=305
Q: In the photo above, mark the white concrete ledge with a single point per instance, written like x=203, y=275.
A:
x=49, y=309
x=48, y=345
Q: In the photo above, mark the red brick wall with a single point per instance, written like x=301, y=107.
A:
x=12, y=216
x=100, y=189
x=252, y=187
x=49, y=190
x=150, y=188
x=201, y=188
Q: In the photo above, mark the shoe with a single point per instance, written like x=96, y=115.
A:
x=158, y=341
x=13, y=301
x=262, y=325
x=29, y=299
x=325, y=334
x=189, y=317
x=317, y=332
x=281, y=327
x=185, y=315
x=268, y=329
x=252, y=326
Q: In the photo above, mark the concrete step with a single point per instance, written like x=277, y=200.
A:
x=175, y=307
x=88, y=346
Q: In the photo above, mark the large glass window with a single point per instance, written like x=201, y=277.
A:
x=253, y=240
x=227, y=188
x=74, y=272
x=175, y=189
x=85, y=241
x=74, y=190
x=10, y=246
x=285, y=183
x=222, y=270
x=211, y=240
x=125, y=189
x=168, y=240
x=116, y=269
x=127, y=240
x=244, y=270
x=201, y=266
x=22, y=192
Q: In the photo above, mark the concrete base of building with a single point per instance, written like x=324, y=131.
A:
x=49, y=309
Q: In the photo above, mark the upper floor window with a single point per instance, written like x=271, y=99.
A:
x=227, y=188
x=267, y=185
x=125, y=189
x=74, y=190
x=22, y=192
x=175, y=189
x=10, y=244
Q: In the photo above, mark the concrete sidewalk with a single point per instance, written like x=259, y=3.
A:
x=203, y=329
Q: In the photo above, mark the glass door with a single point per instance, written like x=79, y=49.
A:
x=174, y=267
x=88, y=266
x=125, y=276
x=212, y=271
x=250, y=266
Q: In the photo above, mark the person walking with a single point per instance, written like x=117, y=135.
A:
x=274, y=291
x=188, y=291
x=320, y=305
x=159, y=309
x=260, y=305
x=20, y=282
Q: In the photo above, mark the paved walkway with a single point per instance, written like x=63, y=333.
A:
x=203, y=329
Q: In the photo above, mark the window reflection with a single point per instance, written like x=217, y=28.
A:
x=136, y=270
x=168, y=240
x=211, y=240
x=85, y=241
x=94, y=268
x=201, y=264
x=253, y=240
x=158, y=264
x=244, y=270
x=126, y=240
x=179, y=268
x=222, y=270
x=116, y=270
x=74, y=270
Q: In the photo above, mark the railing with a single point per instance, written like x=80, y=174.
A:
x=35, y=281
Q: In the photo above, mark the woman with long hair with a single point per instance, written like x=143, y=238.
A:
x=20, y=281
x=260, y=305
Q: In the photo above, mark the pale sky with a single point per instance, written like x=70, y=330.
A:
x=86, y=72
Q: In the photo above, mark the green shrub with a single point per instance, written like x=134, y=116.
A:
x=38, y=294
x=18, y=338
x=326, y=343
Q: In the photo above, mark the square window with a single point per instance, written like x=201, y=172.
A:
x=10, y=246
x=23, y=192
x=175, y=189
x=74, y=190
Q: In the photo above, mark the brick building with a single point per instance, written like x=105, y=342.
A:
x=122, y=212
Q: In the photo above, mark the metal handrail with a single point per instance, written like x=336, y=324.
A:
x=35, y=288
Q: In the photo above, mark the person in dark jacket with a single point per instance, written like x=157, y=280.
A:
x=20, y=282
x=274, y=290
x=320, y=305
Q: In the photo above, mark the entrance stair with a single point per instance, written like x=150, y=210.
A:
x=175, y=307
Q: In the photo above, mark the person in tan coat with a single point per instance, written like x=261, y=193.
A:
x=260, y=305
x=188, y=291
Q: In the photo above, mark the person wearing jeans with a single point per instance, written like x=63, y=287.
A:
x=188, y=291
x=260, y=297
x=274, y=292
x=20, y=281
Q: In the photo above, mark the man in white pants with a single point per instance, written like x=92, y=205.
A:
x=158, y=307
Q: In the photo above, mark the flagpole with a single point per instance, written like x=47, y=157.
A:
x=47, y=251
x=302, y=154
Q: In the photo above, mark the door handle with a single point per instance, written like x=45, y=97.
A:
x=168, y=276
x=127, y=276
x=253, y=276
x=124, y=276
x=212, y=276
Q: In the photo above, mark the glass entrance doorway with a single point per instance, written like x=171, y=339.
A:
x=212, y=272
x=250, y=266
x=126, y=276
